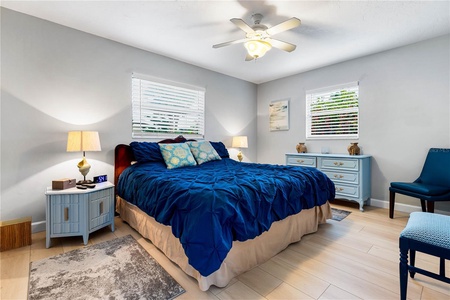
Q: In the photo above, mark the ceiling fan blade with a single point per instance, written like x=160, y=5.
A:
x=288, y=47
x=242, y=25
x=249, y=57
x=286, y=25
x=229, y=43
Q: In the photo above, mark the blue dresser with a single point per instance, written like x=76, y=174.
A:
x=351, y=174
x=75, y=212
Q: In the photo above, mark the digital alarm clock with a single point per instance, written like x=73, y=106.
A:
x=101, y=178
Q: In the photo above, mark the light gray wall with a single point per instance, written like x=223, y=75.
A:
x=56, y=79
x=404, y=110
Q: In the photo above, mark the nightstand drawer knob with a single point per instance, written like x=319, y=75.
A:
x=66, y=214
x=300, y=160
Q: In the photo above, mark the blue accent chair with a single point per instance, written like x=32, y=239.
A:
x=432, y=185
x=427, y=233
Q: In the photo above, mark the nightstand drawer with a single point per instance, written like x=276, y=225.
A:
x=336, y=176
x=66, y=212
x=341, y=163
x=304, y=161
x=100, y=209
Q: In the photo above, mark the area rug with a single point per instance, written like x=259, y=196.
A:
x=339, y=214
x=116, y=269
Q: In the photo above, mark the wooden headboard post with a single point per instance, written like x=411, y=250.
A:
x=123, y=156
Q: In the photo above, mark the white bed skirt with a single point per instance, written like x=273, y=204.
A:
x=242, y=257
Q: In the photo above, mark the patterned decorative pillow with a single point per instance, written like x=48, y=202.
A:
x=177, y=155
x=203, y=151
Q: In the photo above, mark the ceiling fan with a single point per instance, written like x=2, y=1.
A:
x=258, y=38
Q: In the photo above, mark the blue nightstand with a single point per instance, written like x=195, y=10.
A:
x=75, y=212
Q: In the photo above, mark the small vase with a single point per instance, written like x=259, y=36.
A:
x=301, y=148
x=353, y=149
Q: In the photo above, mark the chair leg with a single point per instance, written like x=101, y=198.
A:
x=391, y=204
x=430, y=206
x=403, y=267
x=422, y=203
x=412, y=260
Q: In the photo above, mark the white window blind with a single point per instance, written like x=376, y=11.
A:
x=166, y=110
x=333, y=112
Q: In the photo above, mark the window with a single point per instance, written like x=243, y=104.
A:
x=163, y=110
x=333, y=112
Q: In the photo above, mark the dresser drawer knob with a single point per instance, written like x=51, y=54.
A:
x=339, y=189
x=338, y=163
x=300, y=160
x=338, y=176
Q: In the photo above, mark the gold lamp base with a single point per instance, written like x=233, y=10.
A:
x=84, y=168
x=240, y=156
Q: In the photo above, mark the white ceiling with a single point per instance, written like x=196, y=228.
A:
x=331, y=31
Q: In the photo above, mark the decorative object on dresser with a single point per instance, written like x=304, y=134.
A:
x=351, y=174
x=76, y=212
x=353, y=149
x=432, y=185
x=240, y=142
x=83, y=141
x=116, y=269
x=301, y=148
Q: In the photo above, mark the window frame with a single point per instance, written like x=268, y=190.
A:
x=326, y=94
x=157, y=99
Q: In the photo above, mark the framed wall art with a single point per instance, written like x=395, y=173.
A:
x=279, y=115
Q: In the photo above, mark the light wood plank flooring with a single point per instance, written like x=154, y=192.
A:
x=356, y=258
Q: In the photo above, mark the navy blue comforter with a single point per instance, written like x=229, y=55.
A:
x=210, y=205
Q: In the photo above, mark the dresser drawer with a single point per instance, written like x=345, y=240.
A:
x=340, y=163
x=305, y=161
x=344, y=177
x=346, y=191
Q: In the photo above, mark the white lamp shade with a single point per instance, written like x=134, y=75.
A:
x=83, y=141
x=239, y=142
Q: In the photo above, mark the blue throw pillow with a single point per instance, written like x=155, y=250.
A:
x=177, y=155
x=146, y=152
x=203, y=152
x=221, y=149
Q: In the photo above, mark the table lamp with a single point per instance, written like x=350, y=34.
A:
x=240, y=142
x=83, y=141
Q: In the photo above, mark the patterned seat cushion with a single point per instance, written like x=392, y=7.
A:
x=433, y=229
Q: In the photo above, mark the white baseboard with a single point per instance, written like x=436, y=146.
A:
x=38, y=226
x=407, y=208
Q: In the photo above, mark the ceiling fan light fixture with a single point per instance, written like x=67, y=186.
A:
x=257, y=48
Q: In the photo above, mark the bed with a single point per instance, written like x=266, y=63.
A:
x=220, y=218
